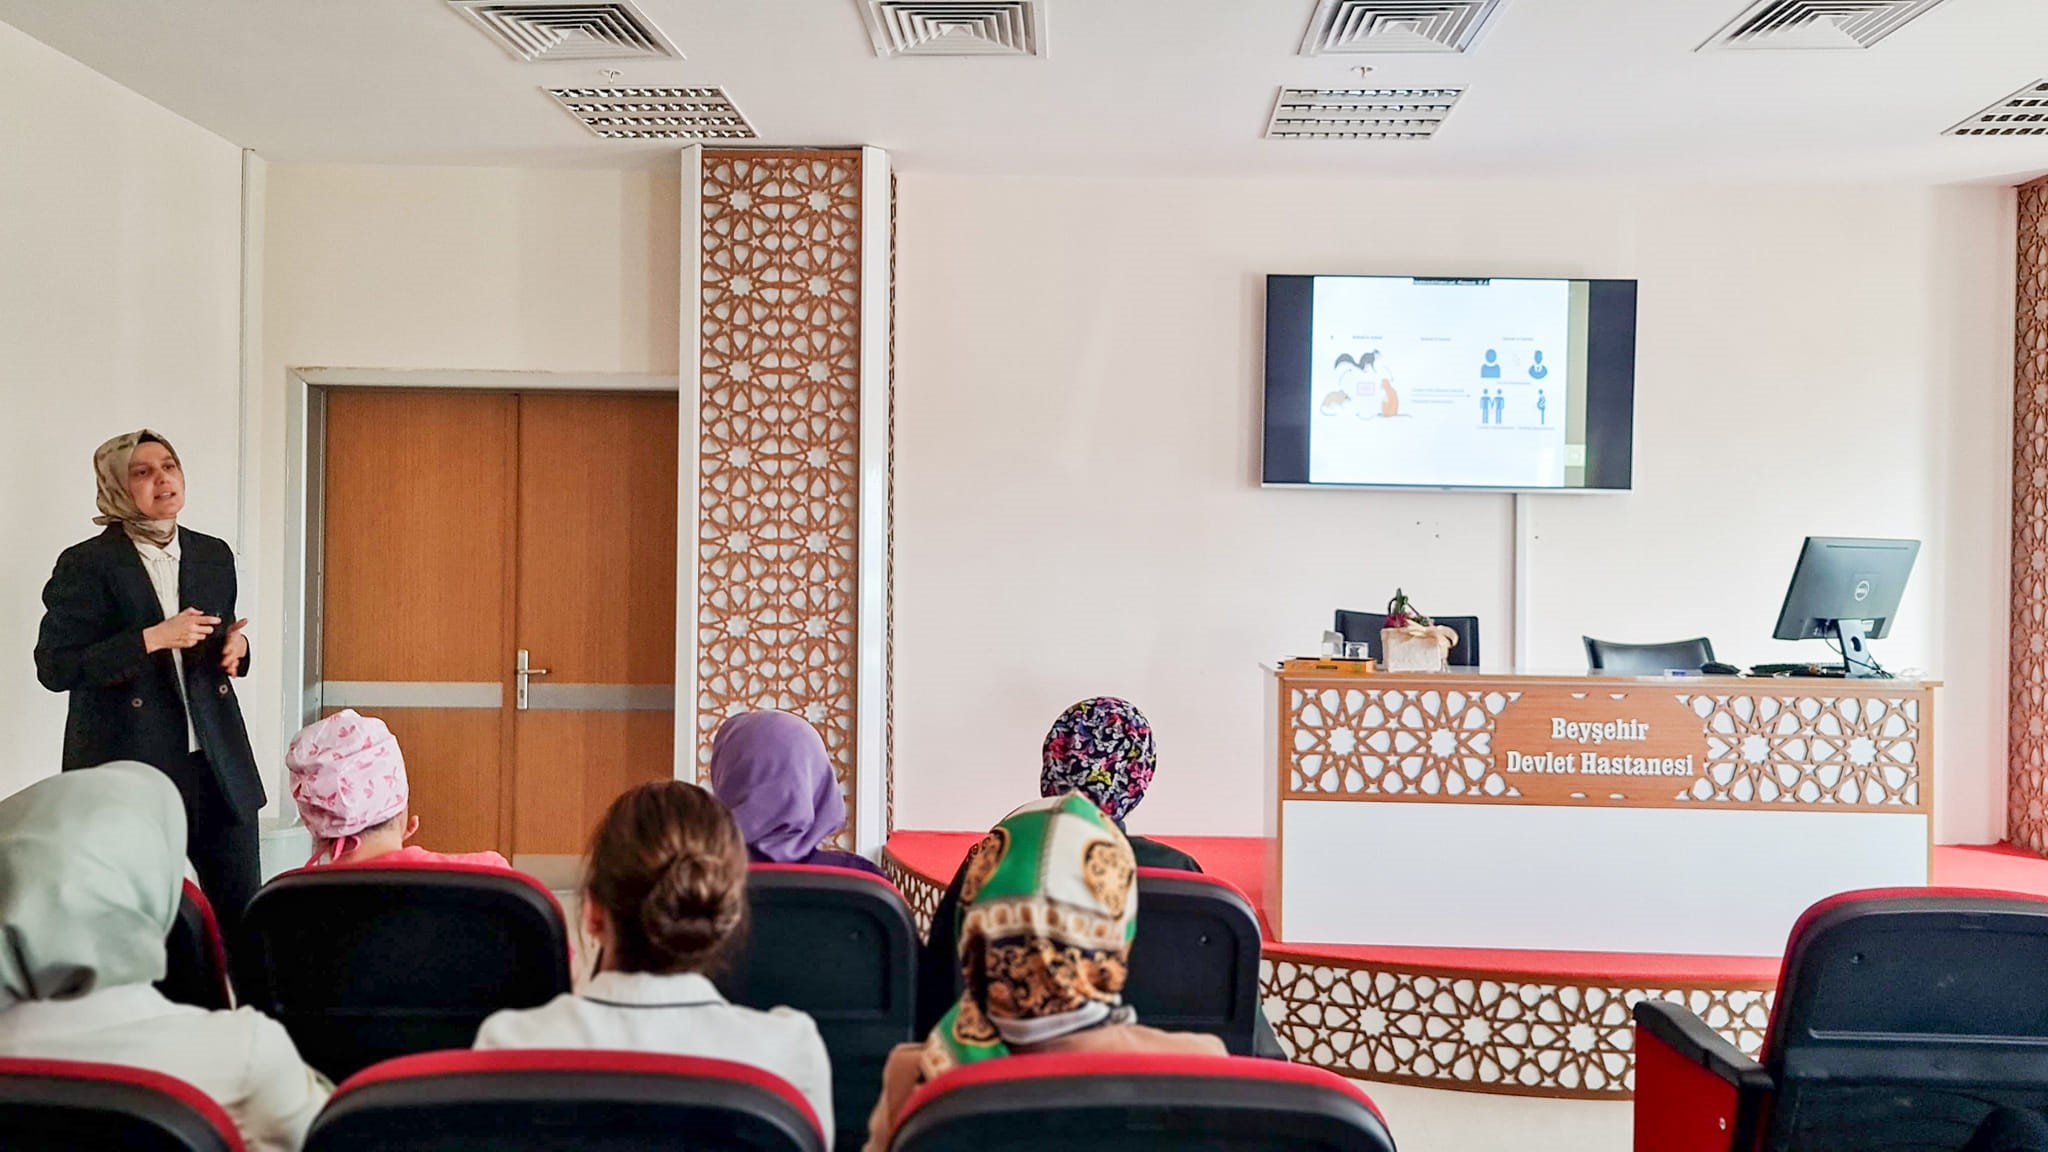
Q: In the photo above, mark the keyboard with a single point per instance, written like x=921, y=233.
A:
x=1834, y=670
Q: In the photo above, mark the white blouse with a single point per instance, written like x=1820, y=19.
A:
x=243, y=1059
x=681, y=1015
x=162, y=565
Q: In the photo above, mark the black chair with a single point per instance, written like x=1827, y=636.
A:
x=196, y=961
x=1361, y=628
x=1195, y=963
x=365, y=962
x=839, y=945
x=1648, y=659
x=1903, y=1018
x=68, y=1105
x=1465, y=653
x=1118, y=1102
x=542, y=1100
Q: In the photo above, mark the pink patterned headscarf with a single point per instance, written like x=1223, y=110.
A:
x=347, y=776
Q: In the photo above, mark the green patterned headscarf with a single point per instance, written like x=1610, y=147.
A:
x=1049, y=907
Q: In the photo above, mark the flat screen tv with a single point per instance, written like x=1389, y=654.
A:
x=1426, y=382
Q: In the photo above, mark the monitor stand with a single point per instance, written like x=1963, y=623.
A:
x=1857, y=662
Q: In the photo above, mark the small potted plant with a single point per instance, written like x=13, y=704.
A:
x=1411, y=641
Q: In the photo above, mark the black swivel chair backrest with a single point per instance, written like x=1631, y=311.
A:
x=1465, y=653
x=839, y=945
x=1648, y=659
x=1903, y=1016
x=1361, y=628
x=365, y=962
x=66, y=1105
x=1195, y=962
x=196, y=959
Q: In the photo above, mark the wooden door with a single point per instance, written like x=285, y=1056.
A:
x=596, y=608
x=417, y=590
x=462, y=528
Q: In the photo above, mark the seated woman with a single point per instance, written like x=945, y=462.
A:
x=771, y=771
x=348, y=780
x=1050, y=908
x=1102, y=748
x=666, y=892
x=92, y=864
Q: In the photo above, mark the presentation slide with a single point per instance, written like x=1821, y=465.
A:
x=1440, y=382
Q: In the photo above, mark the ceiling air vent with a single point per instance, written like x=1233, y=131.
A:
x=956, y=27
x=2024, y=113
x=537, y=30
x=1360, y=113
x=656, y=113
x=1358, y=26
x=1819, y=23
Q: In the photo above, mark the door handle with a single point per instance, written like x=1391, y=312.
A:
x=522, y=673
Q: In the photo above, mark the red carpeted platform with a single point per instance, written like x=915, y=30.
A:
x=935, y=856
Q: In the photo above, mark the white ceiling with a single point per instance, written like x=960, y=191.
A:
x=1600, y=89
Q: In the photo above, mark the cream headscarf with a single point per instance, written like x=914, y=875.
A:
x=92, y=865
x=110, y=466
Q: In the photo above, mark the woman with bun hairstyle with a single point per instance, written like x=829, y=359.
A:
x=665, y=895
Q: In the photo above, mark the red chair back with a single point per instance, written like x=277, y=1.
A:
x=1103, y=1102
x=67, y=1105
x=839, y=945
x=363, y=963
x=196, y=970
x=559, y=1101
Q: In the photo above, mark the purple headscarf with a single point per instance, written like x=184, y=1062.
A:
x=771, y=771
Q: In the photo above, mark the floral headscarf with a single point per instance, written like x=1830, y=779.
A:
x=1049, y=909
x=110, y=469
x=1102, y=748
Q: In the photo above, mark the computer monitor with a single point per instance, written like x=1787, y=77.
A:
x=1847, y=590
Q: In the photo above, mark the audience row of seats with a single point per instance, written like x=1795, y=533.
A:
x=594, y=1101
x=364, y=963
x=1909, y=1018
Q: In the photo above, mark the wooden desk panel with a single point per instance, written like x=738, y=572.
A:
x=1682, y=742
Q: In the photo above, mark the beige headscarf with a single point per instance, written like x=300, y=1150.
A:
x=92, y=865
x=110, y=465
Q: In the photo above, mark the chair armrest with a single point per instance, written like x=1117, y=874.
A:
x=1689, y=1038
x=1695, y=1092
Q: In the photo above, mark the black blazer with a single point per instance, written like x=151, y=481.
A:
x=124, y=700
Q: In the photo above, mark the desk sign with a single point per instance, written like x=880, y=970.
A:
x=1599, y=746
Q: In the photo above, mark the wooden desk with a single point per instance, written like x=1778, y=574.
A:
x=1670, y=815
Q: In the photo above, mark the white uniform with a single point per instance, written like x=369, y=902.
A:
x=681, y=1015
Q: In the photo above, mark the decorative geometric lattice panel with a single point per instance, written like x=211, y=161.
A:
x=778, y=448
x=1853, y=750
x=1461, y=1030
x=2027, y=718
x=921, y=893
x=1481, y=1032
x=1810, y=751
x=1393, y=742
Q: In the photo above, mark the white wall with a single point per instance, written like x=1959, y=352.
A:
x=120, y=297
x=1078, y=510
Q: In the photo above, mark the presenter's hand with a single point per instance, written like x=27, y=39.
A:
x=185, y=630
x=237, y=646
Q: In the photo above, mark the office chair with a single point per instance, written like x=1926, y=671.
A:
x=1648, y=659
